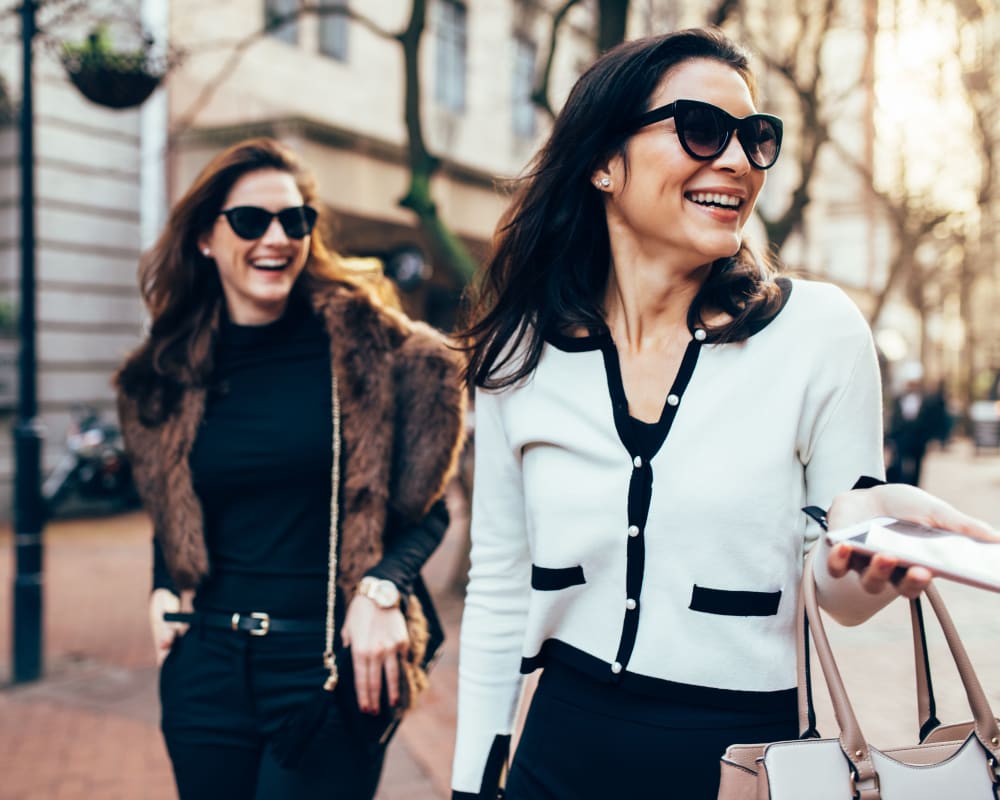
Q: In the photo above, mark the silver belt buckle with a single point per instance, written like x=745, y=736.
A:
x=265, y=623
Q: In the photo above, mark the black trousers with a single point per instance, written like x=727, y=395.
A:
x=224, y=694
x=586, y=740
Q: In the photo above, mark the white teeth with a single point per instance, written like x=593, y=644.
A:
x=727, y=200
x=269, y=263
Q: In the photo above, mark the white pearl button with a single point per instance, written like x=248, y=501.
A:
x=633, y=531
x=616, y=668
x=630, y=604
x=700, y=335
x=637, y=462
x=672, y=399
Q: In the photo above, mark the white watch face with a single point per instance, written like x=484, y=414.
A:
x=383, y=592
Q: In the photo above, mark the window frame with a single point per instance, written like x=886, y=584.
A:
x=289, y=34
x=451, y=46
x=524, y=120
x=342, y=37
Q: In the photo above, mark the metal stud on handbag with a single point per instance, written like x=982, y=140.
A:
x=957, y=762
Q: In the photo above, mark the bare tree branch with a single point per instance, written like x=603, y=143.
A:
x=976, y=81
x=612, y=20
x=804, y=80
x=540, y=94
x=240, y=46
x=723, y=12
x=911, y=224
x=208, y=89
x=323, y=10
x=423, y=164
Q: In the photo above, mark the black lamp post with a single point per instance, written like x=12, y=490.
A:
x=29, y=510
x=115, y=82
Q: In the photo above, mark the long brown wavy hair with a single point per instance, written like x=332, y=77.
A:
x=181, y=287
x=551, y=254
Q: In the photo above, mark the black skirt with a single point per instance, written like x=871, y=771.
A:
x=587, y=740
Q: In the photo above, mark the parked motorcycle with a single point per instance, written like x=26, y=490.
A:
x=94, y=469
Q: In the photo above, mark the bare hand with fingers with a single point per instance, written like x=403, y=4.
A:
x=900, y=502
x=164, y=633
x=377, y=637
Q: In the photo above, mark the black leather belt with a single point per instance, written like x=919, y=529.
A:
x=257, y=623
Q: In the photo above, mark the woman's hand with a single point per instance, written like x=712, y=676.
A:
x=377, y=637
x=164, y=633
x=900, y=502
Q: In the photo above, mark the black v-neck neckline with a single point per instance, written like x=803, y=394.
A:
x=647, y=440
x=647, y=443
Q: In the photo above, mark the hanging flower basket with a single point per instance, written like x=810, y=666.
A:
x=113, y=78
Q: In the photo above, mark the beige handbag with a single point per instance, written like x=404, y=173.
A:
x=957, y=762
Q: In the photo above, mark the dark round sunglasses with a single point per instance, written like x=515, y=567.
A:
x=252, y=222
x=704, y=131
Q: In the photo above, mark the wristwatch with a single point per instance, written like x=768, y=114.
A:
x=381, y=592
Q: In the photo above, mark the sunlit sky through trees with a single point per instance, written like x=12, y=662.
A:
x=925, y=141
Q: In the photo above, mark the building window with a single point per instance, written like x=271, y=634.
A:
x=522, y=109
x=278, y=9
x=450, y=46
x=333, y=31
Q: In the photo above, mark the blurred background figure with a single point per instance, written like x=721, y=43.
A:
x=916, y=418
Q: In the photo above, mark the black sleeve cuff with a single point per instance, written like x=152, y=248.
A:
x=409, y=545
x=819, y=514
x=494, y=774
x=161, y=575
x=867, y=482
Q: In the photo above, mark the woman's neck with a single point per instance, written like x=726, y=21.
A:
x=646, y=303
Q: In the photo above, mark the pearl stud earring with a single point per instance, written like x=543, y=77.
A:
x=605, y=183
x=206, y=252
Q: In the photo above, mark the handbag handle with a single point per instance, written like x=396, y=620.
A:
x=852, y=740
x=926, y=702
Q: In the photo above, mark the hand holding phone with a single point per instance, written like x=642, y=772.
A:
x=945, y=553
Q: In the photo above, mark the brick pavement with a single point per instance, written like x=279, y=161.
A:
x=89, y=729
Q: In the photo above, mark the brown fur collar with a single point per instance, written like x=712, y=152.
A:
x=402, y=409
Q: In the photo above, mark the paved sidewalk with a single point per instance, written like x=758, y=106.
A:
x=89, y=729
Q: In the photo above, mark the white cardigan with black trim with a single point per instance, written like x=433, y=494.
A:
x=684, y=587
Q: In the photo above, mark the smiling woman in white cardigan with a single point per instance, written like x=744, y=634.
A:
x=653, y=410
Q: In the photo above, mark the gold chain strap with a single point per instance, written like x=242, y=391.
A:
x=329, y=660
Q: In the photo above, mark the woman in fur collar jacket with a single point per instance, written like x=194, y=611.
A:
x=227, y=409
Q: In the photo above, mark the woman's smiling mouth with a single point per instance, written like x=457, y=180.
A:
x=270, y=264
x=715, y=199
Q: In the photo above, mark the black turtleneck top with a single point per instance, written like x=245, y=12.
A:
x=261, y=465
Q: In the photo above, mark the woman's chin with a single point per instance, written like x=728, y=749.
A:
x=723, y=248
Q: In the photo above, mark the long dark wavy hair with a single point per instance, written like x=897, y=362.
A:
x=551, y=255
x=181, y=287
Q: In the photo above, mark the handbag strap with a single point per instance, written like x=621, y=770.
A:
x=852, y=740
x=986, y=723
x=329, y=659
x=926, y=701
x=926, y=704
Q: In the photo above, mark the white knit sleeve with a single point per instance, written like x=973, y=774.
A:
x=846, y=444
x=496, y=604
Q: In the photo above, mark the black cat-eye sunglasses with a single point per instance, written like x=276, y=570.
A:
x=252, y=222
x=704, y=131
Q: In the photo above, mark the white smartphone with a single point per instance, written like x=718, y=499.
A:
x=944, y=553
